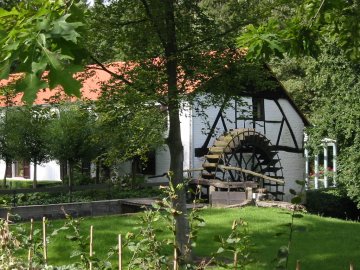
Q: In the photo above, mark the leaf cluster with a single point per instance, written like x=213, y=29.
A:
x=39, y=36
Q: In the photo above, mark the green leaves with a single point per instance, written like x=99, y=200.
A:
x=64, y=78
x=39, y=37
x=5, y=69
x=66, y=30
x=262, y=41
x=30, y=86
x=313, y=23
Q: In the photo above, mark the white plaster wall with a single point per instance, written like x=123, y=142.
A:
x=293, y=164
x=295, y=120
x=45, y=171
x=162, y=154
x=2, y=169
x=272, y=113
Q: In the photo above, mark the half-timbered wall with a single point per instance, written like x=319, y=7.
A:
x=281, y=124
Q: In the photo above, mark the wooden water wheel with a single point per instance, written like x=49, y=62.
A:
x=243, y=158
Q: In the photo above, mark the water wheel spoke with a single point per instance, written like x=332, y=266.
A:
x=244, y=155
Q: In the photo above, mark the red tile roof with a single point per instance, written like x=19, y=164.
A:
x=92, y=78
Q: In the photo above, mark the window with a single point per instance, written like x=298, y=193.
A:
x=8, y=169
x=22, y=169
x=258, y=109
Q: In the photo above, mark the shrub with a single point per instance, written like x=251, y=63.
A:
x=331, y=202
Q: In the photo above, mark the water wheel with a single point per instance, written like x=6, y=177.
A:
x=244, y=156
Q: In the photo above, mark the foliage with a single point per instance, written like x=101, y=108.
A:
x=81, y=250
x=44, y=198
x=282, y=259
x=28, y=127
x=237, y=244
x=69, y=133
x=24, y=135
x=312, y=24
x=331, y=203
x=337, y=113
x=129, y=124
x=148, y=250
x=39, y=36
x=327, y=89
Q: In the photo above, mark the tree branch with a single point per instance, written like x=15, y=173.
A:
x=317, y=13
x=209, y=38
x=125, y=23
x=117, y=76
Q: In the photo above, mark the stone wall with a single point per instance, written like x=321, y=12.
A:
x=55, y=211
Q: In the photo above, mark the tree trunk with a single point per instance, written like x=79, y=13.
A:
x=35, y=174
x=71, y=171
x=4, y=180
x=174, y=139
x=97, y=177
x=6, y=172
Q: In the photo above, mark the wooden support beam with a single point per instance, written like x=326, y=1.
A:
x=224, y=184
x=252, y=173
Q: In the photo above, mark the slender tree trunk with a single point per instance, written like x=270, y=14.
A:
x=4, y=181
x=5, y=174
x=97, y=177
x=174, y=139
x=70, y=183
x=35, y=174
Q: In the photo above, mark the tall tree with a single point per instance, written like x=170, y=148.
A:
x=176, y=46
x=69, y=136
x=26, y=133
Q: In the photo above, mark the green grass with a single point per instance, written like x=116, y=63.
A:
x=323, y=243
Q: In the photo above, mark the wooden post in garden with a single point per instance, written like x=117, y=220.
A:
x=120, y=252
x=235, y=260
x=175, y=259
x=91, y=246
x=30, y=253
x=352, y=266
x=44, y=240
x=298, y=265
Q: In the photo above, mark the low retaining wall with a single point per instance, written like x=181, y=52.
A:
x=79, y=209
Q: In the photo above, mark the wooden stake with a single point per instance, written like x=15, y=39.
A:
x=352, y=266
x=44, y=240
x=91, y=246
x=298, y=265
x=120, y=252
x=235, y=260
x=175, y=259
x=30, y=254
x=7, y=217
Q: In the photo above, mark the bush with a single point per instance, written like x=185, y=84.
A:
x=43, y=198
x=331, y=202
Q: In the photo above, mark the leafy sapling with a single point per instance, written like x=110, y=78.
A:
x=284, y=251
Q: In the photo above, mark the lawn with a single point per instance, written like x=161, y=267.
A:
x=323, y=243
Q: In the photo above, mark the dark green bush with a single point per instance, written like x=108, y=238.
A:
x=44, y=198
x=331, y=202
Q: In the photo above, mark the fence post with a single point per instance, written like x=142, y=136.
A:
x=91, y=246
x=44, y=240
x=30, y=253
x=298, y=265
x=352, y=266
x=120, y=252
